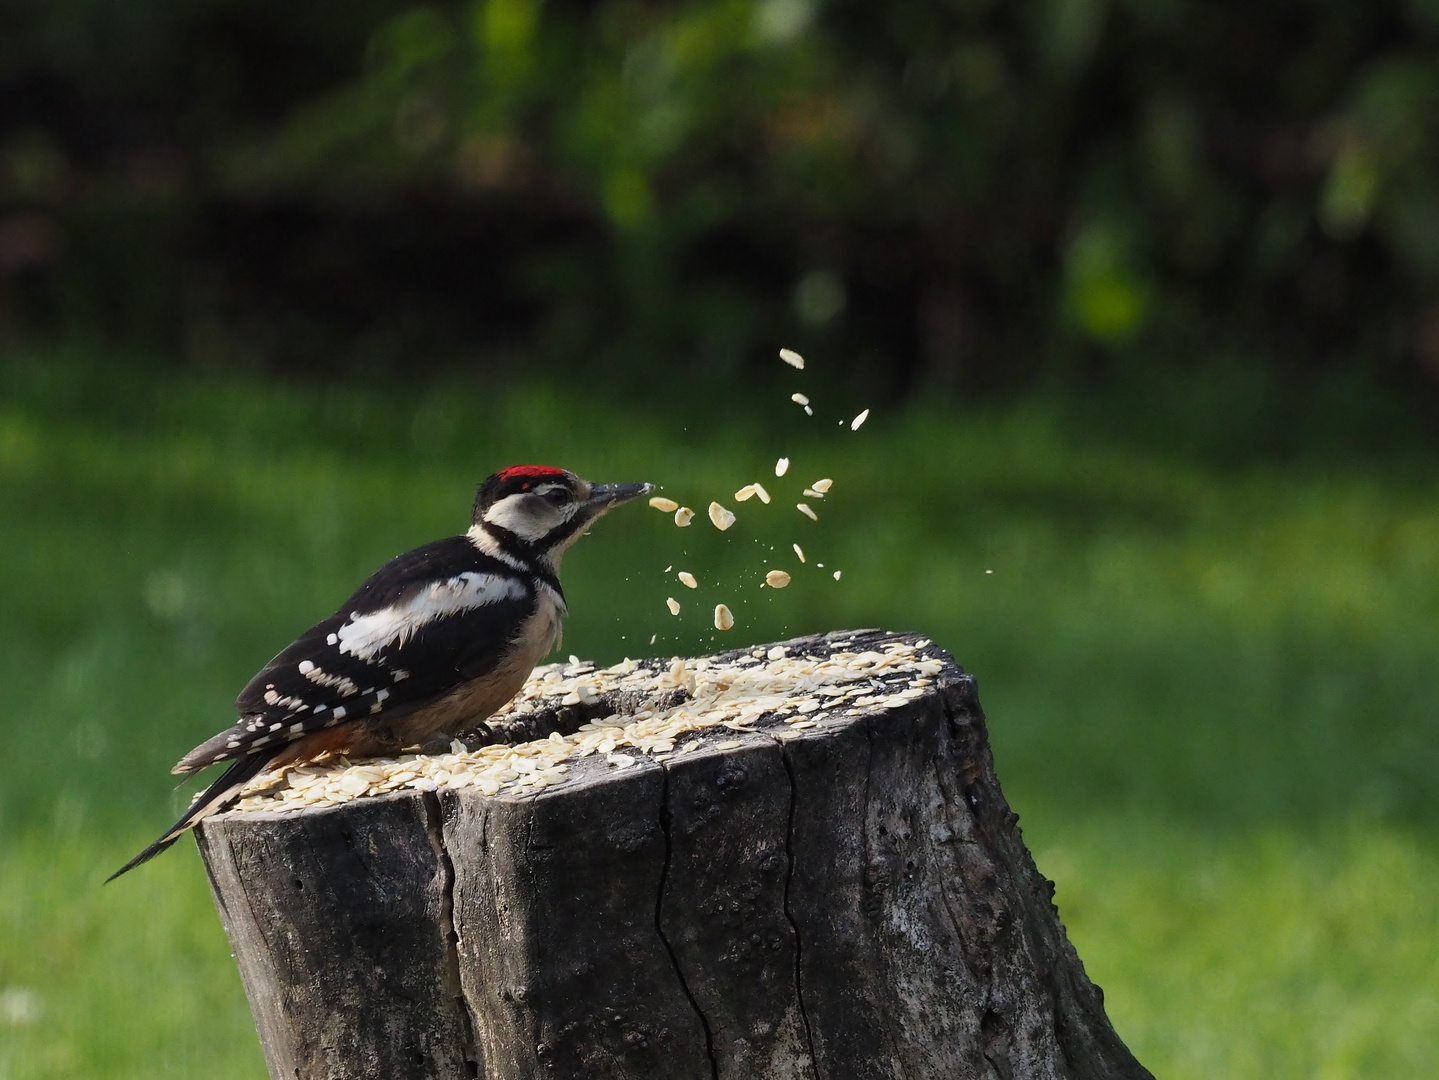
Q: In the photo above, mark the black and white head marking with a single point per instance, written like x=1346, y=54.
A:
x=535, y=512
x=530, y=512
x=534, y=515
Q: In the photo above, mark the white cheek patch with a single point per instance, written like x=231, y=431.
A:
x=527, y=517
x=365, y=636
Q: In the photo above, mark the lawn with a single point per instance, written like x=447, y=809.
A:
x=1210, y=685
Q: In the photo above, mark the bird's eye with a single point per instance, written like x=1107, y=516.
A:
x=556, y=496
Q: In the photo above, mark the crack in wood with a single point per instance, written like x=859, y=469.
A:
x=665, y=823
x=434, y=826
x=788, y=914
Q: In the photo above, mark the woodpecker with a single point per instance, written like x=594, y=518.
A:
x=434, y=642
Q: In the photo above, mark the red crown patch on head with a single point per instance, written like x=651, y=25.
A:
x=530, y=473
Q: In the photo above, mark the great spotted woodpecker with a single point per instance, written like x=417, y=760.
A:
x=435, y=641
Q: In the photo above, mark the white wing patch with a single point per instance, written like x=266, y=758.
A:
x=365, y=636
x=320, y=677
x=294, y=704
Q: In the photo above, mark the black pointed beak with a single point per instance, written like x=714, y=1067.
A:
x=603, y=496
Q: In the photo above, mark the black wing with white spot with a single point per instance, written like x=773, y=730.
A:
x=425, y=622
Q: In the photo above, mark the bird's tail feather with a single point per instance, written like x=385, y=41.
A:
x=215, y=798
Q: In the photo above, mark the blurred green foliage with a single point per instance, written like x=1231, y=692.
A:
x=1210, y=686
x=962, y=194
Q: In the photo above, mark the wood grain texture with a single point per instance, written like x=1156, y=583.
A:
x=561, y=959
x=339, y=921
x=850, y=901
x=723, y=907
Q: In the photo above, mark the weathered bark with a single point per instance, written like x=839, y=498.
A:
x=853, y=902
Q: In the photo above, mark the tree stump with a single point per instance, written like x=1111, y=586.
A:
x=845, y=895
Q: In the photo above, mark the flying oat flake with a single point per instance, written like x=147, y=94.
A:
x=667, y=506
x=781, y=466
x=854, y=425
x=792, y=358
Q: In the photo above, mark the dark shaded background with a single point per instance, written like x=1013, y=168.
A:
x=1144, y=298
x=970, y=196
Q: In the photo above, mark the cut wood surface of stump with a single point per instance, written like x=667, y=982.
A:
x=787, y=861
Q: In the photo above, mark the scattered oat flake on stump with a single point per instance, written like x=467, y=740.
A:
x=721, y=517
x=807, y=511
x=781, y=466
x=792, y=358
x=776, y=579
x=798, y=551
x=683, y=516
x=673, y=605
x=724, y=618
x=712, y=686
x=854, y=424
x=667, y=506
x=688, y=579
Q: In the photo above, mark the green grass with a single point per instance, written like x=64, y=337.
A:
x=1210, y=686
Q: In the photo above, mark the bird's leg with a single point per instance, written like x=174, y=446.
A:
x=436, y=742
